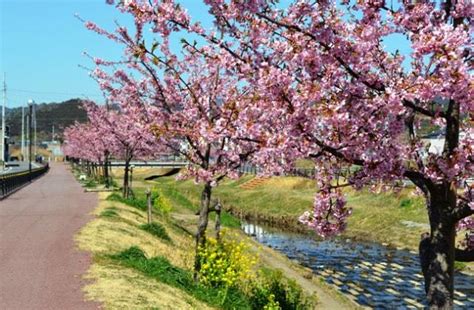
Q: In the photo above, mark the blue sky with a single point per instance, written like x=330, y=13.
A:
x=42, y=45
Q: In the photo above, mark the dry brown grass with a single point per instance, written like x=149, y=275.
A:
x=118, y=287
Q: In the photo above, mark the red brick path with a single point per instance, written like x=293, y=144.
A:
x=40, y=268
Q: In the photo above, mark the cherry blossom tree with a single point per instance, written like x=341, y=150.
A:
x=191, y=105
x=121, y=132
x=83, y=142
x=329, y=89
x=351, y=102
x=126, y=132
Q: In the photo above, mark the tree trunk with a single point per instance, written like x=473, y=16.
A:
x=106, y=170
x=125, y=189
x=149, y=206
x=202, y=226
x=88, y=172
x=437, y=248
x=94, y=171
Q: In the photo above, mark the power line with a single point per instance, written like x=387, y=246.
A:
x=52, y=93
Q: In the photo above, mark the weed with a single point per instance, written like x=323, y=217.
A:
x=227, y=220
x=459, y=266
x=225, y=263
x=156, y=229
x=178, y=198
x=91, y=183
x=162, y=203
x=138, y=203
x=109, y=213
x=406, y=203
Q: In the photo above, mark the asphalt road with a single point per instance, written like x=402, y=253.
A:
x=40, y=268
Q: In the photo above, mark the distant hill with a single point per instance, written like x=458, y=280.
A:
x=61, y=115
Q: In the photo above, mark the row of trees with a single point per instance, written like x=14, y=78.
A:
x=311, y=80
x=117, y=132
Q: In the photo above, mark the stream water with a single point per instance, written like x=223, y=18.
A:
x=370, y=274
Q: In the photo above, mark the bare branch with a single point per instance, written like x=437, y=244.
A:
x=464, y=255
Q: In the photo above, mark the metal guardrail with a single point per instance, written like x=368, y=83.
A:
x=11, y=182
x=295, y=172
x=167, y=164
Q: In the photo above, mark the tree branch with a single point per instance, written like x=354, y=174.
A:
x=419, y=180
x=414, y=107
x=462, y=210
x=464, y=255
x=349, y=69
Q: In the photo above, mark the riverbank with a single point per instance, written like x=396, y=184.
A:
x=118, y=283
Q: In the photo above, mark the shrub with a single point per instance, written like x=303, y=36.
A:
x=162, y=203
x=156, y=229
x=224, y=263
x=273, y=291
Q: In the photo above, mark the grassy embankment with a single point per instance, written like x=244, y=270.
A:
x=392, y=218
x=137, y=266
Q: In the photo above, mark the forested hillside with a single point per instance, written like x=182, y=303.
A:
x=60, y=115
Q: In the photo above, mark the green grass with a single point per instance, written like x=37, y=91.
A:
x=109, y=212
x=156, y=229
x=91, y=183
x=162, y=270
x=379, y=217
x=139, y=202
x=177, y=197
x=228, y=220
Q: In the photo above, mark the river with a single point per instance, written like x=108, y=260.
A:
x=372, y=275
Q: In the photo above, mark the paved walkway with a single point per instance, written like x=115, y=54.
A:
x=40, y=268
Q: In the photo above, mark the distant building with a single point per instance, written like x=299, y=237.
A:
x=435, y=141
x=54, y=147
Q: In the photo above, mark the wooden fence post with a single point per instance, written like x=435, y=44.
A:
x=218, y=209
x=149, y=205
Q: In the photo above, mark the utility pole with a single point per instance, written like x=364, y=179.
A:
x=30, y=132
x=23, y=157
x=34, y=124
x=27, y=135
x=3, y=120
x=52, y=136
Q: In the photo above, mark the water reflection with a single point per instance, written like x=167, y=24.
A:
x=369, y=273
